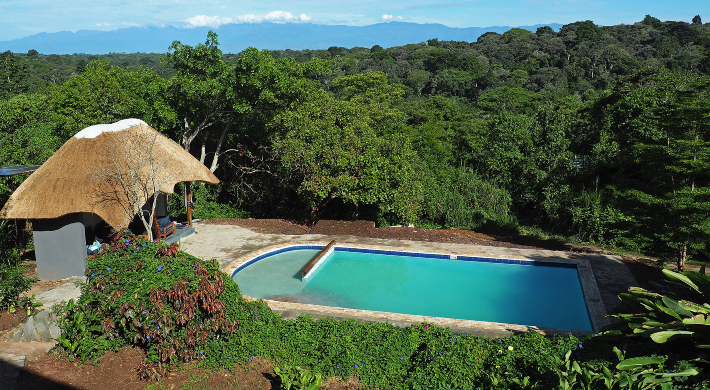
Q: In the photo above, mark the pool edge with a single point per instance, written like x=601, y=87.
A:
x=590, y=290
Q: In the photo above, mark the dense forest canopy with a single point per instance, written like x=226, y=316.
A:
x=595, y=132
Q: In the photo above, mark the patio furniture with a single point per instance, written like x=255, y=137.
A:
x=163, y=227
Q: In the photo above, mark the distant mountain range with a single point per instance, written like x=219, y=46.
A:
x=234, y=38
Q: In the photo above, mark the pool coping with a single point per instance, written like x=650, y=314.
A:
x=590, y=290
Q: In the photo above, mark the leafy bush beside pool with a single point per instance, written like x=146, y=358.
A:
x=13, y=281
x=180, y=308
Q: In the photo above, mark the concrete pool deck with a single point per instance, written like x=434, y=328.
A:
x=227, y=243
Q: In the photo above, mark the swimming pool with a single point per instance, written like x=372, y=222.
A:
x=543, y=294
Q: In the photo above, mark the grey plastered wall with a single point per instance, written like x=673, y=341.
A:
x=161, y=207
x=60, y=247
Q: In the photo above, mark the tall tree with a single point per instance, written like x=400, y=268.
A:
x=333, y=145
x=105, y=94
x=664, y=159
x=12, y=75
x=212, y=96
x=373, y=92
x=202, y=93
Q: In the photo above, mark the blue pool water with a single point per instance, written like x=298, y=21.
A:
x=538, y=295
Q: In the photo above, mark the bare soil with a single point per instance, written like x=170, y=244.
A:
x=41, y=285
x=10, y=320
x=117, y=370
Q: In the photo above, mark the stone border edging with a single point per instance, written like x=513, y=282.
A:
x=38, y=327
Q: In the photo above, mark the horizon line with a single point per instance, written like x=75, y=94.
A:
x=272, y=22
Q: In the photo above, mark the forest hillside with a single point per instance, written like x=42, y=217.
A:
x=596, y=133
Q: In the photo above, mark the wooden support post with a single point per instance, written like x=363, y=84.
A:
x=188, y=199
x=17, y=232
x=157, y=227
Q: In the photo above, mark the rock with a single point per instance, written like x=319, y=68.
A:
x=41, y=325
x=17, y=361
x=17, y=335
x=42, y=315
x=30, y=333
x=54, y=332
x=46, y=336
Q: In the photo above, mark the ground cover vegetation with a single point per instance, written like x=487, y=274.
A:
x=595, y=133
x=182, y=309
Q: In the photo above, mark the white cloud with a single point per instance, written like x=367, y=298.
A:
x=279, y=15
x=283, y=16
x=389, y=18
x=273, y=16
x=204, y=20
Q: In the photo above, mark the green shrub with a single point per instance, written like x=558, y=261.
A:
x=418, y=357
x=153, y=296
x=636, y=373
x=213, y=210
x=206, y=204
x=597, y=222
x=82, y=332
x=13, y=281
x=680, y=311
x=298, y=378
x=461, y=199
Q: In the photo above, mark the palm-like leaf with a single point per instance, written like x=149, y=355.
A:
x=682, y=310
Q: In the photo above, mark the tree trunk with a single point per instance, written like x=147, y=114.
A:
x=203, y=149
x=317, y=208
x=188, y=199
x=186, y=137
x=312, y=216
x=682, y=254
x=221, y=141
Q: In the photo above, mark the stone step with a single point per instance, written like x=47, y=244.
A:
x=179, y=234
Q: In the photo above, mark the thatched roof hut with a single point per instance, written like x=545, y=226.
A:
x=91, y=173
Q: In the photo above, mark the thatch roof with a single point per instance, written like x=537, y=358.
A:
x=91, y=173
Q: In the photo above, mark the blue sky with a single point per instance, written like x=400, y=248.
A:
x=20, y=18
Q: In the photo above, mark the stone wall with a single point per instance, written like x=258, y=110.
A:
x=39, y=327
